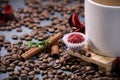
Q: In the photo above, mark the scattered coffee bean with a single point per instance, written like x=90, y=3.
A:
x=19, y=29
x=88, y=55
x=15, y=37
x=44, y=64
x=10, y=68
x=2, y=37
x=28, y=38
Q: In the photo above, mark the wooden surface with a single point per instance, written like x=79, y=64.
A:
x=101, y=61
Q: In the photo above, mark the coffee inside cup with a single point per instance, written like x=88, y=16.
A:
x=108, y=2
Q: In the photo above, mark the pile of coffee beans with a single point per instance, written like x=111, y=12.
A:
x=65, y=67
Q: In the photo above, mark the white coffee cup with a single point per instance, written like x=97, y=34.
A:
x=102, y=24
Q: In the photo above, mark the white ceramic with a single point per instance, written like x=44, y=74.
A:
x=103, y=28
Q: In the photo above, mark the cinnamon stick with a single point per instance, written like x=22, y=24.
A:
x=50, y=41
x=55, y=50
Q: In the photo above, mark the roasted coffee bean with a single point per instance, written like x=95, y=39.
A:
x=24, y=71
x=31, y=73
x=90, y=72
x=49, y=59
x=15, y=77
x=10, y=68
x=19, y=29
x=54, y=71
x=12, y=65
x=88, y=55
x=20, y=63
x=101, y=72
x=23, y=76
x=51, y=30
x=31, y=77
x=55, y=79
x=63, y=68
x=50, y=64
x=3, y=69
x=6, y=42
x=26, y=68
x=15, y=37
x=36, y=78
x=8, y=28
x=88, y=68
x=60, y=72
x=83, y=52
x=55, y=22
x=2, y=28
x=28, y=38
x=22, y=37
x=37, y=70
x=57, y=61
x=56, y=66
x=109, y=74
x=45, y=76
x=11, y=73
x=1, y=44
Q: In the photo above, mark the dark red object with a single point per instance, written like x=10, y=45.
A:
x=6, y=14
x=116, y=65
x=74, y=22
x=75, y=38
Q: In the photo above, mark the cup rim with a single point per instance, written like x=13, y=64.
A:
x=101, y=5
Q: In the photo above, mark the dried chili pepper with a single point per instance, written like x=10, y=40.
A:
x=116, y=65
x=6, y=14
x=75, y=22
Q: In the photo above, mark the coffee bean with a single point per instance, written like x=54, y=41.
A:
x=55, y=79
x=18, y=25
x=56, y=66
x=9, y=28
x=6, y=42
x=23, y=76
x=45, y=76
x=2, y=28
x=31, y=73
x=54, y=71
x=108, y=74
x=2, y=37
x=101, y=72
x=3, y=69
x=19, y=29
x=37, y=70
x=20, y=63
x=12, y=65
x=11, y=73
x=90, y=72
x=50, y=64
x=1, y=44
x=60, y=72
x=28, y=38
x=49, y=59
x=15, y=37
x=55, y=22
x=36, y=78
x=88, y=68
x=57, y=61
x=51, y=30
x=24, y=71
x=45, y=61
x=10, y=68
x=17, y=73
x=88, y=55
